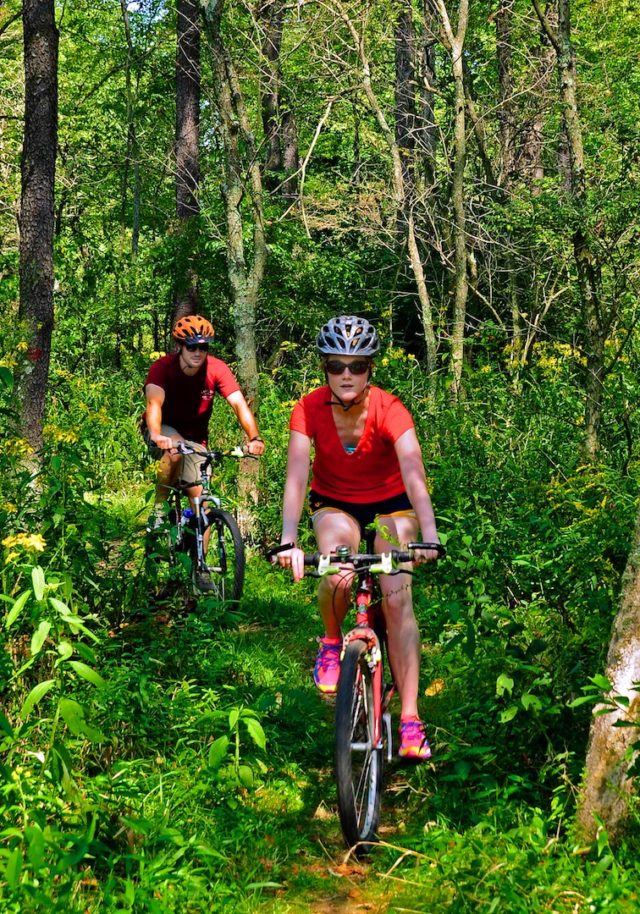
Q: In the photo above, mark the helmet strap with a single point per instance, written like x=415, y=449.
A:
x=347, y=406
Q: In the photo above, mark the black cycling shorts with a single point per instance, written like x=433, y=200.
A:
x=363, y=514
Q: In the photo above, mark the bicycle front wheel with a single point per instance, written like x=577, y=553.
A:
x=358, y=760
x=225, y=558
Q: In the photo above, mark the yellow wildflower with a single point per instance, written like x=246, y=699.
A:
x=17, y=447
x=59, y=434
x=27, y=541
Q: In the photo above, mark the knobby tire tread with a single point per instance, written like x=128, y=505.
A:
x=218, y=518
x=358, y=827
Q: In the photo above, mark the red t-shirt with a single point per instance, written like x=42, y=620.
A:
x=188, y=399
x=372, y=472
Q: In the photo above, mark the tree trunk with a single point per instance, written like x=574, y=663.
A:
x=608, y=790
x=270, y=16
x=454, y=43
x=397, y=179
x=245, y=270
x=187, y=152
x=426, y=132
x=278, y=122
x=37, y=207
x=405, y=104
x=597, y=322
x=506, y=119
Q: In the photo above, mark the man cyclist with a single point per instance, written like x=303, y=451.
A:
x=367, y=468
x=179, y=390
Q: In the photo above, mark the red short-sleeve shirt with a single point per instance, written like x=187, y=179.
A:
x=188, y=399
x=372, y=472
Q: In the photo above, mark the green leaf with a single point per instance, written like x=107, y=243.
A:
x=86, y=672
x=256, y=732
x=65, y=649
x=508, y=714
x=245, y=775
x=73, y=715
x=38, y=582
x=234, y=715
x=17, y=608
x=583, y=700
x=39, y=637
x=36, y=694
x=13, y=867
x=530, y=701
x=601, y=682
x=61, y=607
x=5, y=726
x=35, y=845
x=217, y=751
x=6, y=377
x=504, y=684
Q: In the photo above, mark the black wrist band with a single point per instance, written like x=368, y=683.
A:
x=256, y=438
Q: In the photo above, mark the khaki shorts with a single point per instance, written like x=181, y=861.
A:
x=190, y=473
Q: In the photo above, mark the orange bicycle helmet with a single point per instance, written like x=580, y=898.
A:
x=193, y=329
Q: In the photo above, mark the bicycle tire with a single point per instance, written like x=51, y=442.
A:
x=358, y=763
x=225, y=557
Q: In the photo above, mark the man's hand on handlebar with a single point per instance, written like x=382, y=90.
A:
x=255, y=447
x=164, y=442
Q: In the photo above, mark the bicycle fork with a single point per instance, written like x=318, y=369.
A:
x=381, y=695
x=200, y=532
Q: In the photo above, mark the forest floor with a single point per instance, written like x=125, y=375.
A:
x=289, y=847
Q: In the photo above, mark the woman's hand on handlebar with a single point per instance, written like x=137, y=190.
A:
x=292, y=558
x=422, y=556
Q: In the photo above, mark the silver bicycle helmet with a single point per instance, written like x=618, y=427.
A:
x=348, y=335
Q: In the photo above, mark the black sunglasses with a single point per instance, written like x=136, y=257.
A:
x=359, y=367
x=192, y=347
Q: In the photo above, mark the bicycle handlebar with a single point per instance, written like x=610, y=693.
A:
x=361, y=559
x=185, y=448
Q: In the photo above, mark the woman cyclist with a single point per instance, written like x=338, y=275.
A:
x=367, y=469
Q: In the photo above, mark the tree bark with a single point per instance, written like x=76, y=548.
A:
x=608, y=789
x=426, y=132
x=278, y=122
x=506, y=118
x=187, y=153
x=597, y=322
x=242, y=177
x=37, y=207
x=405, y=103
x=454, y=43
x=397, y=178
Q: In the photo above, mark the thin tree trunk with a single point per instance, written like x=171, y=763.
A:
x=37, y=207
x=426, y=132
x=426, y=313
x=405, y=103
x=597, y=324
x=454, y=42
x=506, y=118
x=270, y=17
x=278, y=121
x=187, y=152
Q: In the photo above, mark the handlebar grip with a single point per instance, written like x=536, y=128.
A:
x=281, y=548
x=437, y=547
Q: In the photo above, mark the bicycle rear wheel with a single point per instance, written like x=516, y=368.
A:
x=224, y=559
x=358, y=761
